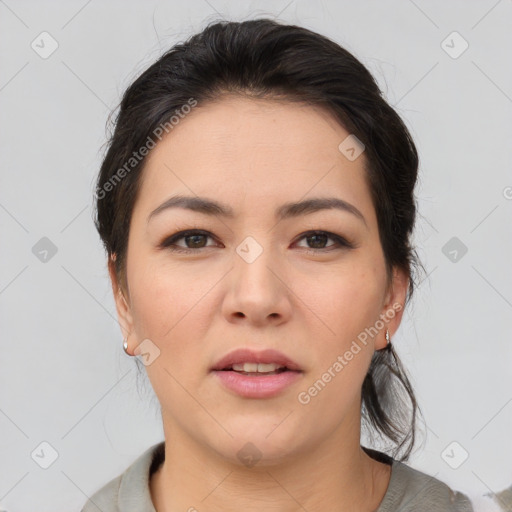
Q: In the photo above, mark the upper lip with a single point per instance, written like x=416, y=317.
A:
x=245, y=355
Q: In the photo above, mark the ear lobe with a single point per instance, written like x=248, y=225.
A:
x=393, y=308
x=122, y=306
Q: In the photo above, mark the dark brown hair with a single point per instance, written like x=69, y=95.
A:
x=266, y=59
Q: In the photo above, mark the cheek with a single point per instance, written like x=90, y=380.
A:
x=165, y=308
x=163, y=299
x=347, y=301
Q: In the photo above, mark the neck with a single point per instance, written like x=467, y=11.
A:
x=335, y=475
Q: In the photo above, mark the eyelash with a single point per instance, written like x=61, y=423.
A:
x=170, y=241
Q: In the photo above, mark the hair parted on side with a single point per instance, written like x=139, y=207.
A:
x=263, y=58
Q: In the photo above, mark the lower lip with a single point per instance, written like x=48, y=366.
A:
x=264, y=386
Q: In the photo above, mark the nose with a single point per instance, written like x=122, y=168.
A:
x=257, y=292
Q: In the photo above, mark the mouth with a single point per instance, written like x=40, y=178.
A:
x=256, y=363
x=256, y=374
x=256, y=369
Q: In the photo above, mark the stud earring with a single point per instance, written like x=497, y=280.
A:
x=388, y=341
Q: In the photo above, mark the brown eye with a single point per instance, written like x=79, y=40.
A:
x=194, y=240
x=317, y=241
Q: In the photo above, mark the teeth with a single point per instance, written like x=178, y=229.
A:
x=256, y=367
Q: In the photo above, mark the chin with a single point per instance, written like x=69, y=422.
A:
x=259, y=442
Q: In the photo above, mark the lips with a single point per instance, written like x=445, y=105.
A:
x=268, y=356
x=261, y=384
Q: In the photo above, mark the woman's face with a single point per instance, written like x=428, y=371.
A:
x=256, y=279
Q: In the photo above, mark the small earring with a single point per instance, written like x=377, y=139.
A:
x=388, y=341
x=125, y=346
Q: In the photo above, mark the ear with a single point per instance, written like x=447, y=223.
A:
x=124, y=314
x=394, y=305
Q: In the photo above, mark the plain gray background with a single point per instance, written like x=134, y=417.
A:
x=64, y=379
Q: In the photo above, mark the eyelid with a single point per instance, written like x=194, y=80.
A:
x=341, y=241
x=168, y=241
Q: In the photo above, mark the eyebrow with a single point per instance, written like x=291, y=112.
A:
x=208, y=206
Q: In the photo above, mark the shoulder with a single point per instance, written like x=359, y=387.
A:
x=129, y=490
x=412, y=490
x=105, y=499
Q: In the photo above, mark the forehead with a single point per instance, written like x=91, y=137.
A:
x=255, y=149
x=248, y=127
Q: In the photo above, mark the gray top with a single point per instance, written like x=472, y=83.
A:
x=409, y=490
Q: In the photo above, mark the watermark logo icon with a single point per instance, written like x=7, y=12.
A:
x=454, y=45
x=44, y=455
x=454, y=455
x=454, y=249
x=249, y=455
x=351, y=147
x=44, y=45
x=44, y=250
x=249, y=250
x=147, y=352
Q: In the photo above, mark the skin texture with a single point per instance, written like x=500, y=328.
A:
x=254, y=155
